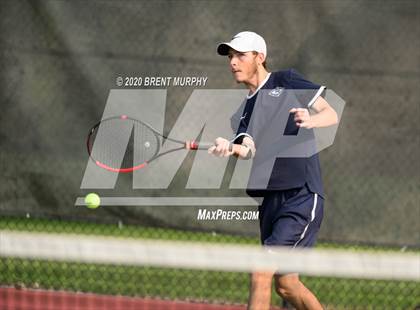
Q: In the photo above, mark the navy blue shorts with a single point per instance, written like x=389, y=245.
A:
x=291, y=217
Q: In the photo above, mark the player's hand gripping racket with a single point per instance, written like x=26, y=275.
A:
x=111, y=146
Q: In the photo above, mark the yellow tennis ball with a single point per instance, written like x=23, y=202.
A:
x=92, y=201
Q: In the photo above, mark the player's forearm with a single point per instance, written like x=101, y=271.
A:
x=246, y=150
x=326, y=117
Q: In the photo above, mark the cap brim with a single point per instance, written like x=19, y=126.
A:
x=223, y=49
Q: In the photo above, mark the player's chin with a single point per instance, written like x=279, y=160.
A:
x=239, y=78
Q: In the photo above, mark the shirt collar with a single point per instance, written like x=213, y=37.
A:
x=259, y=87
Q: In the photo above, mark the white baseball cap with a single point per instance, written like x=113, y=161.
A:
x=246, y=41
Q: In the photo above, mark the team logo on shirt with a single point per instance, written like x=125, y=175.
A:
x=276, y=92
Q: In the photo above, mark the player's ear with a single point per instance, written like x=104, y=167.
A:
x=261, y=58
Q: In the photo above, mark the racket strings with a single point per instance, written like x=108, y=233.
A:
x=122, y=143
x=145, y=143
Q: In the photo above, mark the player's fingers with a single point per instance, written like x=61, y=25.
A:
x=220, y=144
x=216, y=153
x=211, y=149
x=304, y=125
x=222, y=152
x=293, y=110
x=225, y=149
x=298, y=118
x=222, y=148
x=219, y=140
x=228, y=150
x=219, y=149
x=301, y=116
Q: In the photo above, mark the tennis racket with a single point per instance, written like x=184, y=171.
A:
x=123, y=144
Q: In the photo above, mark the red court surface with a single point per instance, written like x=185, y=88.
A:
x=30, y=299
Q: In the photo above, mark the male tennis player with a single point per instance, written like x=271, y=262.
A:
x=292, y=208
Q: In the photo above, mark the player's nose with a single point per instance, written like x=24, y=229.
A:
x=233, y=61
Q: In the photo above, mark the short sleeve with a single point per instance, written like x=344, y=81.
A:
x=306, y=91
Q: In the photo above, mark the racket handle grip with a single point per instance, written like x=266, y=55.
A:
x=193, y=145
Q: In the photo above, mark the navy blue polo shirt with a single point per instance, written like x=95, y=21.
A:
x=287, y=172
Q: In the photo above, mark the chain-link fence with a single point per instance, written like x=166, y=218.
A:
x=68, y=263
x=60, y=59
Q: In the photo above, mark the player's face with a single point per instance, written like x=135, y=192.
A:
x=243, y=65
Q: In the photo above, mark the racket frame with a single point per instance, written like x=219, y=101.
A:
x=189, y=145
